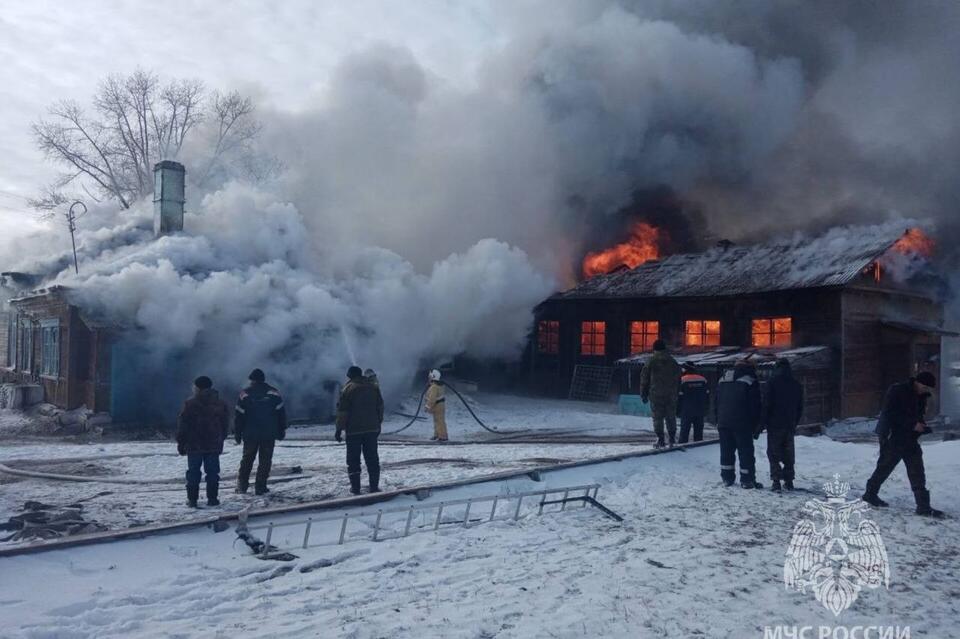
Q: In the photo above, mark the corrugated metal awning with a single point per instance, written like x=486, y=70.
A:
x=918, y=327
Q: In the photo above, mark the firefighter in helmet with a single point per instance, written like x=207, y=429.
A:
x=435, y=404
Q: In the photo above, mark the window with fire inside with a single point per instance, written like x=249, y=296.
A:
x=773, y=331
x=700, y=333
x=593, y=338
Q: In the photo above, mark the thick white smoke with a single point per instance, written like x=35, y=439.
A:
x=245, y=286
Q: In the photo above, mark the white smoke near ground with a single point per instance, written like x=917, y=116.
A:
x=245, y=287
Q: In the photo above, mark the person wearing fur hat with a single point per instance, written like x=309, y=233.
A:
x=435, y=404
x=902, y=422
x=202, y=426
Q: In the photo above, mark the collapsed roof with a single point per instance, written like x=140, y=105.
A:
x=833, y=259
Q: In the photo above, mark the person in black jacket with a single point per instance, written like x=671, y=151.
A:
x=781, y=417
x=692, y=403
x=360, y=414
x=201, y=428
x=260, y=419
x=900, y=426
x=738, y=422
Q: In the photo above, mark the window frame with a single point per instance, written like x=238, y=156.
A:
x=548, y=337
x=593, y=347
x=706, y=338
x=10, y=357
x=25, y=349
x=771, y=333
x=646, y=337
x=50, y=348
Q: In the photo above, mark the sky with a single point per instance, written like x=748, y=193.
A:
x=280, y=52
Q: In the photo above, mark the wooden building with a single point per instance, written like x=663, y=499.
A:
x=868, y=307
x=48, y=342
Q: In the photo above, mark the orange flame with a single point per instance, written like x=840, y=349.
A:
x=915, y=242
x=643, y=246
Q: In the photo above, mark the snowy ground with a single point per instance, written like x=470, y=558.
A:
x=693, y=559
x=142, y=482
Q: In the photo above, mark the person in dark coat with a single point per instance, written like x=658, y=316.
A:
x=202, y=426
x=900, y=426
x=692, y=403
x=782, y=415
x=359, y=415
x=738, y=423
x=660, y=385
x=260, y=419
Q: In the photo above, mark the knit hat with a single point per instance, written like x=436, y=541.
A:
x=354, y=372
x=659, y=345
x=927, y=379
x=256, y=375
x=203, y=382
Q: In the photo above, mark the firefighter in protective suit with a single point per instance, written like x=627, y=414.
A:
x=435, y=404
x=738, y=424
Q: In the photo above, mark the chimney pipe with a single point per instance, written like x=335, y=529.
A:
x=168, y=197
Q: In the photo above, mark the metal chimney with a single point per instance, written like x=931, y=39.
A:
x=168, y=197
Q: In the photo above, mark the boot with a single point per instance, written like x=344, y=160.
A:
x=749, y=483
x=776, y=486
x=260, y=490
x=673, y=441
x=923, y=505
x=374, y=474
x=728, y=483
x=788, y=484
x=193, y=493
x=659, y=443
x=212, y=490
x=874, y=500
x=355, y=483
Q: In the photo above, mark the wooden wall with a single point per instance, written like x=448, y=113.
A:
x=816, y=317
x=874, y=355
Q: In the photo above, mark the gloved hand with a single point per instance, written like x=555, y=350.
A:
x=338, y=436
x=644, y=399
x=282, y=434
x=238, y=439
x=181, y=449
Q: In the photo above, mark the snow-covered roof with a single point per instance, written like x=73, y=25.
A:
x=833, y=259
x=802, y=357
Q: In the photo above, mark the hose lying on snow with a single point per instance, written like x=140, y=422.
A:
x=457, y=393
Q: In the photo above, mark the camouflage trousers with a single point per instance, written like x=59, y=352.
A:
x=664, y=412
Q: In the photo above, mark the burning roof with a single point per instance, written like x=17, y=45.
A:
x=833, y=259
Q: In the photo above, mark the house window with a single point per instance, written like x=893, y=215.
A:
x=643, y=335
x=548, y=337
x=702, y=333
x=593, y=338
x=774, y=331
x=50, y=348
x=10, y=359
x=25, y=351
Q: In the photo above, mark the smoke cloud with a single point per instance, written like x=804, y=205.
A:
x=740, y=120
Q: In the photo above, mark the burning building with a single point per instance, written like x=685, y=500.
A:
x=853, y=311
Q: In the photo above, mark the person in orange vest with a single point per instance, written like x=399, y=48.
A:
x=693, y=403
x=435, y=404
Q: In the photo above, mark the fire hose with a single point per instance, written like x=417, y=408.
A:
x=457, y=393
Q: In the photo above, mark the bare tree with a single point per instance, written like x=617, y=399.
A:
x=136, y=122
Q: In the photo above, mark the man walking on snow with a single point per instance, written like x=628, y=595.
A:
x=259, y=421
x=738, y=422
x=692, y=403
x=659, y=385
x=900, y=426
x=782, y=415
x=360, y=415
x=202, y=426
x=435, y=404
